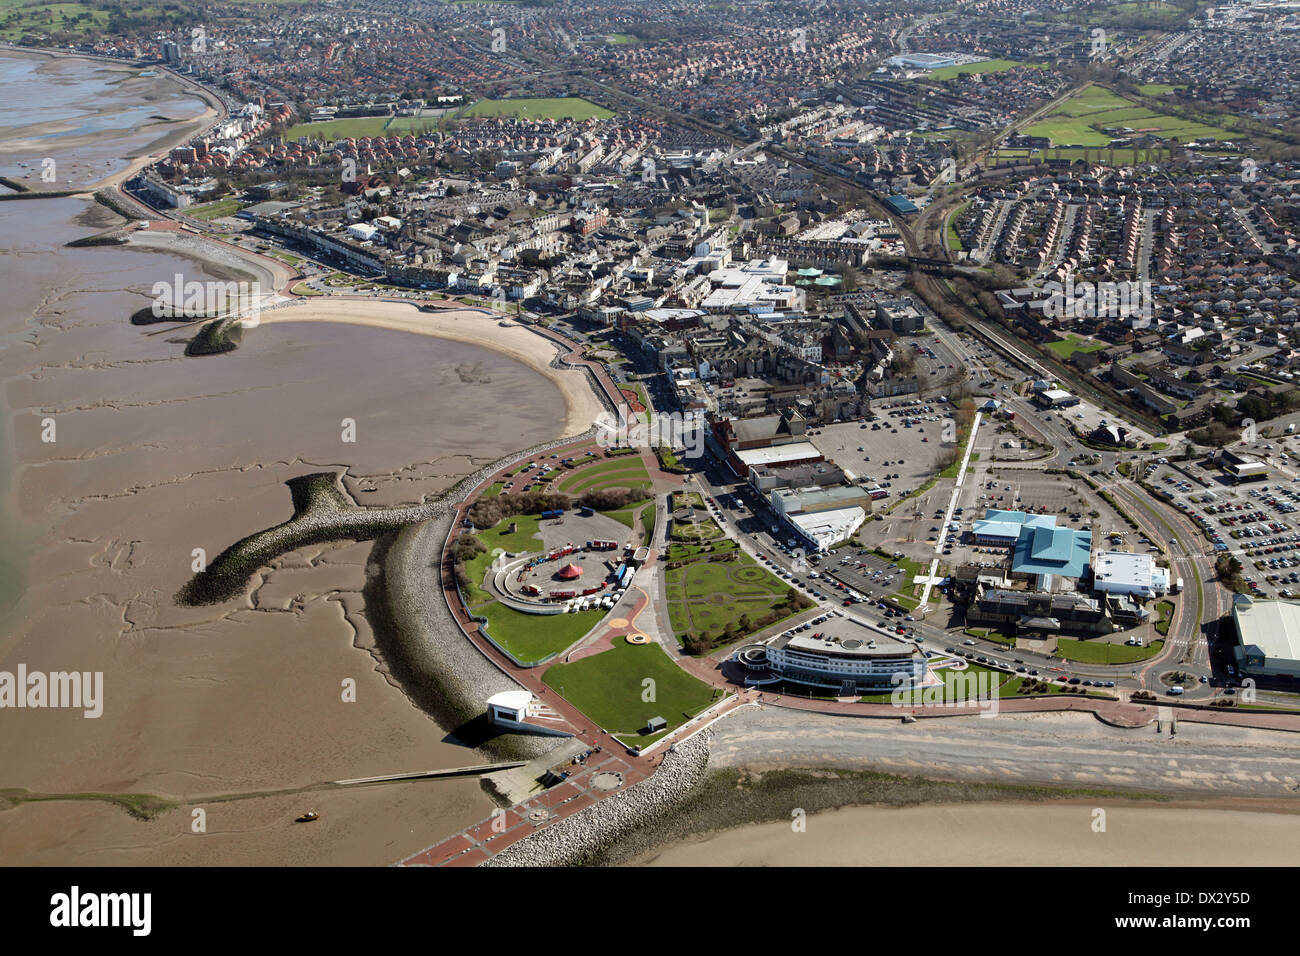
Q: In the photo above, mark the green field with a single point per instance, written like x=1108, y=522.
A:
x=621, y=38
x=412, y=124
x=611, y=688
x=951, y=239
x=1081, y=119
x=572, y=107
x=709, y=597
x=215, y=210
x=17, y=18
x=988, y=66
x=331, y=130
x=626, y=471
x=1103, y=652
x=532, y=637
x=1072, y=343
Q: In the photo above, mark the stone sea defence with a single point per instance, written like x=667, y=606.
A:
x=581, y=837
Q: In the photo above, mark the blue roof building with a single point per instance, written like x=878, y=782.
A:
x=1003, y=527
x=901, y=205
x=1052, y=551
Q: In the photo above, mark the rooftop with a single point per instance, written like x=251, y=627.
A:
x=1045, y=550
x=1272, y=626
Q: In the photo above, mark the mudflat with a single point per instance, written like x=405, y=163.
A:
x=154, y=459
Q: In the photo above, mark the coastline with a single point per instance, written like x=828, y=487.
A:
x=750, y=770
x=993, y=833
x=140, y=157
x=459, y=325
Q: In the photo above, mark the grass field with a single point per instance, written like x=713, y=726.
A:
x=624, y=471
x=951, y=239
x=1103, y=652
x=1072, y=343
x=532, y=637
x=215, y=210
x=988, y=66
x=79, y=18
x=331, y=130
x=611, y=688
x=572, y=107
x=707, y=597
x=1084, y=118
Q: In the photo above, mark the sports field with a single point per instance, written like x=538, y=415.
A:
x=1095, y=115
x=214, y=210
x=339, y=129
x=988, y=66
x=571, y=107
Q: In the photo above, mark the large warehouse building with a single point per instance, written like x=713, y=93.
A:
x=1268, y=639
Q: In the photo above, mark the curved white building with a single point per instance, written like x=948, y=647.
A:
x=848, y=665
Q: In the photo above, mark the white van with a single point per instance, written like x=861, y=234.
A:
x=1175, y=690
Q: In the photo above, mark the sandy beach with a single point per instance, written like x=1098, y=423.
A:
x=1000, y=834
x=469, y=326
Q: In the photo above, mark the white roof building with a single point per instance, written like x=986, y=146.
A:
x=1122, y=572
x=825, y=528
x=1268, y=639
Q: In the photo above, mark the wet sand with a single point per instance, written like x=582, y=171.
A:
x=1003, y=834
x=157, y=454
x=459, y=325
x=97, y=121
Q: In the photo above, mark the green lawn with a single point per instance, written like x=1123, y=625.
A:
x=597, y=475
x=1072, y=343
x=999, y=679
x=531, y=637
x=524, y=537
x=1085, y=119
x=989, y=634
x=1166, y=609
x=79, y=18
x=706, y=597
x=494, y=489
x=610, y=687
x=572, y=107
x=988, y=66
x=412, y=124
x=214, y=210
x=331, y=130
x=623, y=478
x=952, y=240
x=1103, y=652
